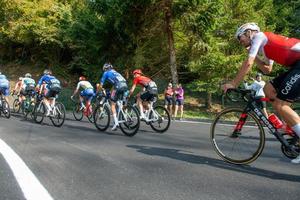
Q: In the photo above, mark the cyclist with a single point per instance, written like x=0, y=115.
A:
x=119, y=88
x=149, y=89
x=27, y=86
x=17, y=89
x=4, y=86
x=86, y=93
x=50, y=86
x=258, y=86
x=285, y=88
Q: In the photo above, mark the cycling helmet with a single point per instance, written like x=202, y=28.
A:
x=47, y=72
x=107, y=66
x=248, y=26
x=0, y=73
x=137, y=71
x=20, y=78
x=27, y=75
x=82, y=78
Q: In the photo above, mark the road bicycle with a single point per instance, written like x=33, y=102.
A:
x=57, y=116
x=238, y=135
x=4, y=107
x=128, y=117
x=158, y=117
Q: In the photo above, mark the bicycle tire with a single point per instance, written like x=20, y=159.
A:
x=16, y=106
x=39, y=111
x=5, y=109
x=99, y=114
x=60, y=111
x=163, y=116
x=128, y=128
x=227, y=119
x=77, y=113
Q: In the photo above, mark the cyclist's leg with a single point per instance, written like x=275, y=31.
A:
x=282, y=91
x=114, y=99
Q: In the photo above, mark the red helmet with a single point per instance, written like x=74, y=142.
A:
x=137, y=71
x=82, y=78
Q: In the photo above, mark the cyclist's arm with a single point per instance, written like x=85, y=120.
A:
x=265, y=68
x=246, y=66
x=77, y=89
x=132, y=89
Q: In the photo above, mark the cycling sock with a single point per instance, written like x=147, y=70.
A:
x=115, y=118
x=296, y=128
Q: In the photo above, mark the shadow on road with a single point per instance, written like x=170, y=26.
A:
x=196, y=159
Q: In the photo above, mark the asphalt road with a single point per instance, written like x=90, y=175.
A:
x=77, y=162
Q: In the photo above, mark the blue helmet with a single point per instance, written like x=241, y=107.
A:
x=107, y=66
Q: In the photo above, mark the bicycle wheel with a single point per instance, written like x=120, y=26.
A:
x=237, y=147
x=5, y=109
x=39, y=112
x=59, y=115
x=77, y=113
x=101, y=117
x=16, y=106
x=160, y=119
x=129, y=121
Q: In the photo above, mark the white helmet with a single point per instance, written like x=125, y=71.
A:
x=248, y=26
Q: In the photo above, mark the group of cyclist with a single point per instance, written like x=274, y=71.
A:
x=263, y=49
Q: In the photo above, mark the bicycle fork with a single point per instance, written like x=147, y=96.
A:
x=237, y=130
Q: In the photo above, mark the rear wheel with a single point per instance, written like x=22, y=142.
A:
x=237, y=146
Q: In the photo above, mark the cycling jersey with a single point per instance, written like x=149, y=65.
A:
x=272, y=47
x=147, y=83
x=52, y=85
x=4, y=85
x=83, y=85
x=28, y=84
x=113, y=77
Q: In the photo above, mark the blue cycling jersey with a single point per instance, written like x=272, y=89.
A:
x=46, y=79
x=113, y=77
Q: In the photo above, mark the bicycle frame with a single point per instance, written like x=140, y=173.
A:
x=253, y=106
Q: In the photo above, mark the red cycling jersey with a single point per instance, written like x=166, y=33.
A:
x=141, y=80
x=283, y=50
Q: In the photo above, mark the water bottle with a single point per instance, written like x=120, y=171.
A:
x=275, y=121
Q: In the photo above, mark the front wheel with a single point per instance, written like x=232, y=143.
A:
x=101, y=117
x=160, y=119
x=59, y=115
x=39, y=112
x=77, y=113
x=16, y=106
x=5, y=109
x=129, y=121
x=237, y=137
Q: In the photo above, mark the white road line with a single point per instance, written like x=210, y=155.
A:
x=30, y=185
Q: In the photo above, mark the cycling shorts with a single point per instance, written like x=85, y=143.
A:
x=287, y=84
x=87, y=93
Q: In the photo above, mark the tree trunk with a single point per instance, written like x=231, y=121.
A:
x=208, y=100
x=172, y=54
